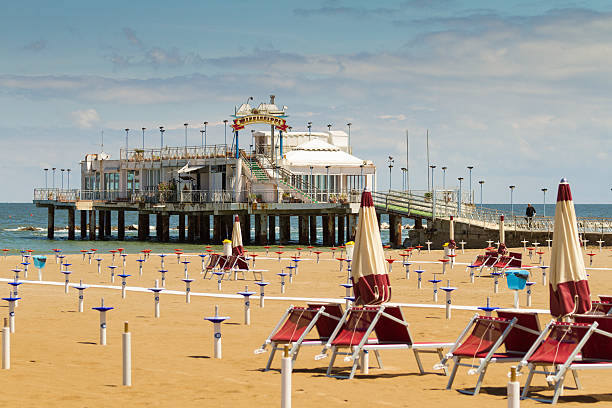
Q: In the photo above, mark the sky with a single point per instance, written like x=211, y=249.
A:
x=521, y=91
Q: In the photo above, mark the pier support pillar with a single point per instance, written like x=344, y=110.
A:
x=313, y=230
x=50, y=222
x=102, y=224
x=303, y=229
x=71, y=223
x=261, y=229
x=352, y=227
x=205, y=228
x=341, y=229
x=271, y=229
x=181, y=227
x=196, y=234
x=228, y=226
x=191, y=228
x=143, y=226
x=92, y=225
x=245, y=225
x=395, y=231
x=329, y=230
x=285, y=229
x=107, y=223
x=378, y=219
x=216, y=229
x=418, y=223
x=159, y=227
x=165, y=227
x=83, y=224
x=121, y=225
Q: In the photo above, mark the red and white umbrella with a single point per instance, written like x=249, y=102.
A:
x=569, y=287
x=237, y=248
x=370, y=280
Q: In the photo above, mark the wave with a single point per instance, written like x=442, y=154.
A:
x=25, y=228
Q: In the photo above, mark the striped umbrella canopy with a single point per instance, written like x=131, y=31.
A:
x=569, y=287
x=369, y=273
x=237, y=248
x=451, y=229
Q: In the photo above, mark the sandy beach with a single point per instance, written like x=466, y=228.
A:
x=56, y=360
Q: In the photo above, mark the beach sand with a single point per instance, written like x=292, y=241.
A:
x=56, y=360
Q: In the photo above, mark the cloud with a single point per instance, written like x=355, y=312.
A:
x=392, y=117
x=85, y=118
x=36, y=46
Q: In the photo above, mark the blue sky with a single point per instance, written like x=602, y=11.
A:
x=520, y=91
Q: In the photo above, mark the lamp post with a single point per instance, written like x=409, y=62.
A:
x=205, y=133
x=444, y=187
x=471, y=193
x=185, y=124
x=53, y=181
x=544, y=190
x=460, y=198
x=349, y=137
x=329, y=127
x=127, y=134
x=391, y=161
x=311, y=182
x=327, y=181
x=46, y=181
x=403, y=169
x=481, y=182
x=361, y=181
x=433, y=192
x=202, y=137
x=511, y=201
x=62, y=170
x=161, y=133
x=143, y=129
x=225, y=132
x=309, y=128
x=68, y=172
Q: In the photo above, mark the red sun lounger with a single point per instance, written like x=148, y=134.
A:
x=569, y=346
x=391, y=330
x=296, y=323
x=515, y=331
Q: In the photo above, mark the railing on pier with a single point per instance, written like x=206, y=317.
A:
x=56, y=194
x=176, y=153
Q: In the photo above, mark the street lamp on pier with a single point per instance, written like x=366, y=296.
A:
x=460, y=198
x=62, y=170
x=127, y=134
x=349, y=137
x=309, y=130
x=391, y=161
x=143, y=143
x=481, y=182
x=46, y=182
x=511, y=201
x=471, y=194
x=68, y=172
x=544, y=190
x=53, y=181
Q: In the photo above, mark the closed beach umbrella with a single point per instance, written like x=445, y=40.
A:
x=369, y=272
x=502, y=233
x=451, y=229
x=569, y=287
x=237, y=248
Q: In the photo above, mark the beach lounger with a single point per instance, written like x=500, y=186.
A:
x=296, y=323
x=229, y=266
x=391, y=330
x=582, y=345
x=490, y=260
x=606, y=298
x=515, y=331
x=241, y=266
x=213, y=262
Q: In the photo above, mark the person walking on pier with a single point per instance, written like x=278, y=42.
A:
x=530, y=212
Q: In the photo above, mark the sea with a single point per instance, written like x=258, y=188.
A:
x=24, y=226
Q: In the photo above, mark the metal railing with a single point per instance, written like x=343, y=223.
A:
x=176, y=153
x=56, y=194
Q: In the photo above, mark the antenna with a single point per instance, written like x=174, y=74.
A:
x=102, y=143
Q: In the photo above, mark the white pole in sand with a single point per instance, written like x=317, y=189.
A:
x=127, y=355
x=429, y=246
x=217, y=320
x=99, y=261
x=462, y=243
x=262, y=285
x=102, y=309
x=187, y=289
x=516, y=299
x=365, y=362
x=529, y=285
x=11, y=304
x=247, y=305
x=6, y=346
x=448, y=289
x=67, y=280
x=286, y=368
x=81, y=288
x=156, y=291
x=514, y=389
x=123, y=277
